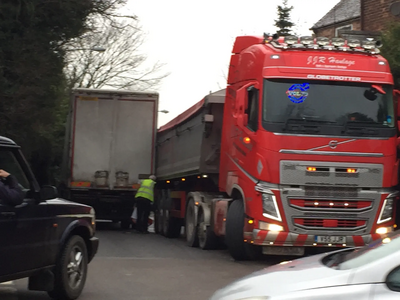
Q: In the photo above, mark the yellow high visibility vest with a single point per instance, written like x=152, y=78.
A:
x=146, y=190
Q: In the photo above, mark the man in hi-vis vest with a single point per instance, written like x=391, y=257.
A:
x=144, y=202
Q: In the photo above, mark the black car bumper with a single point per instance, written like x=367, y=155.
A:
x=94, y=245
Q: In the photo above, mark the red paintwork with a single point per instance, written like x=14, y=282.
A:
x=251, y=62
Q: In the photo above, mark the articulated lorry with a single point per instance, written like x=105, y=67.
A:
x=298, y=151
x=110, y=146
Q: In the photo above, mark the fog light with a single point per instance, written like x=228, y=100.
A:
x=383, y=230
x=270, y=227
x=274, y=227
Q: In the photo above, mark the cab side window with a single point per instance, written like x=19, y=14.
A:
x=252, y=108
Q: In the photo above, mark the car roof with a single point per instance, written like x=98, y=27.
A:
x=6, y=141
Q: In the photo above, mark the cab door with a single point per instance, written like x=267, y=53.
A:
x=24, y=228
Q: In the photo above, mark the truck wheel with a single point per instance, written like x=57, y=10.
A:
x=238, y=249
x=207, y=238
x=171, y=226
x=192, y=238
x=71, y=270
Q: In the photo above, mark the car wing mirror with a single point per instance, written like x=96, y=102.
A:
x=48, y=192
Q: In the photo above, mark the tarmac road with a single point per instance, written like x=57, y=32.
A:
x=136, y=266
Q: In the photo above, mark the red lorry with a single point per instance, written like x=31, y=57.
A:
x=298, y=151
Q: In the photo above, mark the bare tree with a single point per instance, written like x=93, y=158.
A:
x=122, y=65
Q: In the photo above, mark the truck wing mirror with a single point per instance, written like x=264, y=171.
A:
x=48, y=192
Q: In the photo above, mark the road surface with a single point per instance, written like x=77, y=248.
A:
x=136, y=266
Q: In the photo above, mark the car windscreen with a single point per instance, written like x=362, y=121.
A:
x=322, y=107
x=367, y=254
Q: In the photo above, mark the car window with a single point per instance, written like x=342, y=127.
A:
x=372, y=252
x=393, y=280
x=9, y=163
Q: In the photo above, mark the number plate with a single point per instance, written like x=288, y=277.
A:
x=296, y=251
x=325, y=239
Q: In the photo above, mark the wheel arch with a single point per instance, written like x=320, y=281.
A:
x=80, y=228
x=237, y=193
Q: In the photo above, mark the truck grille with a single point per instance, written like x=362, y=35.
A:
x=329, y=223
x=327, y=204
x=325, y=191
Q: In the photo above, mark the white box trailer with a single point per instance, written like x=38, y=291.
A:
x=110, y=146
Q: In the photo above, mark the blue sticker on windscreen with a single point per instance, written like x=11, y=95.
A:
x=297, y=93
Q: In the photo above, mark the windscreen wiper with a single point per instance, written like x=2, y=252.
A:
x=362, y=129
x=302, y=121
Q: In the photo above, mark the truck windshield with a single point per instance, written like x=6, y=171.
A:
x=321, y=107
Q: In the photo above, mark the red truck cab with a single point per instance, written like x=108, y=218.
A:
x=308, y=143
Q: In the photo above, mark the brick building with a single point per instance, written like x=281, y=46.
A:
x=344, y=16
x=355, y=18
x=375, y=14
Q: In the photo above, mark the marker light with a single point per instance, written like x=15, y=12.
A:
x=368, y=44
x=322, y=41
x=382, y=63
x=351, y=170
x=246, y=140
x=250, y=221
x=354, y=43
x=337, y=42
x=183, y=179
x=291, y=40
x=205, y=176
x=311, y=169
x=168, y=181
x=275, y=56
x=306, y=40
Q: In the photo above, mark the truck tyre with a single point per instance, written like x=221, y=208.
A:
x=192, y=239
x=171, y=226
x=238, y=249
x=71, y=270
x=207, y=238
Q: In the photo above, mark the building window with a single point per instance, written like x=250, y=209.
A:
x=340, y=29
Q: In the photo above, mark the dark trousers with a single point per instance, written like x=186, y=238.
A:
x=144, y=207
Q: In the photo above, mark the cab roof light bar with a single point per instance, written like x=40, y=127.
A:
x=369, y=45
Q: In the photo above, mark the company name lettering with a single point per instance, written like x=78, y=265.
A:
x=332, y=60
x=330, y=77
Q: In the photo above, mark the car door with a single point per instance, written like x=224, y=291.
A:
x=8, y=225
x=390, y=289
x=30, y=226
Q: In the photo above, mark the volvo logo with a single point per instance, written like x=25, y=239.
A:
x=333, y=144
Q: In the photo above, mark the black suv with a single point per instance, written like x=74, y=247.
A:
x=48, y=239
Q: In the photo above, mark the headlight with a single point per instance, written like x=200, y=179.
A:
x=270, y=208
x=387, y=211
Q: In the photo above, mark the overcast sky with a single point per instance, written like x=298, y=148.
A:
x=195, y=38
